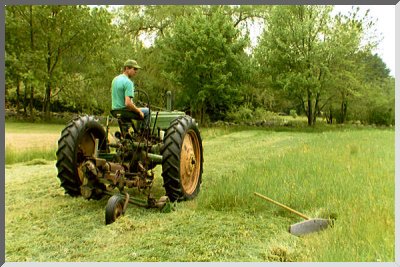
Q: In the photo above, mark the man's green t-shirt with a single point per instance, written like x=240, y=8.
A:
x=121, y=86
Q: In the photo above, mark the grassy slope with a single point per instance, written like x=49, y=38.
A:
x=347, y=173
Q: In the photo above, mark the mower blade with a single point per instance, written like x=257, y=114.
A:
x=309, y=226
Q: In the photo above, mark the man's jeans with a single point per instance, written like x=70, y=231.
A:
x=146, y=114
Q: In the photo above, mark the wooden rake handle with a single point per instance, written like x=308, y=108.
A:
x=282, y=206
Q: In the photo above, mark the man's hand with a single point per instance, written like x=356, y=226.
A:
x=131, y=106
x=141, y=114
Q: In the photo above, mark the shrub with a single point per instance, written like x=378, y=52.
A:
x=381, y=116
x=242, y=113
x=259, y=115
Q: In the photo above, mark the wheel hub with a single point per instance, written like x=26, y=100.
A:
x=190, y=155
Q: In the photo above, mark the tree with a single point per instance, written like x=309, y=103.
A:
x=349, y=47
x=342, y=75
x=294, y=53
x=148, y=24
x=55, y=34
x=204, y=55
x=151, y=20
x=142, y=25
x=311, y=56
x=376, y=104
x=86, y=84
x=22, y=58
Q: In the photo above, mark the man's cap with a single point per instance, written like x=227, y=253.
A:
x=132, y=64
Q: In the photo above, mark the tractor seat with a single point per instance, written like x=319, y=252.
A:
x=125, y=115
x=126, y=119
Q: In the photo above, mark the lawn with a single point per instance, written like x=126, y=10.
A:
x=347, y=173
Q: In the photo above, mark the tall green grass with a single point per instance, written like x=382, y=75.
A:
x=34, y=148
x=14, y=155
x=348, y=174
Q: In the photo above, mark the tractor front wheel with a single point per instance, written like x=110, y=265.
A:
x=114, y=208
x=182, y=164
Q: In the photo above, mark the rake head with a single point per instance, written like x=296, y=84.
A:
x=309, y=226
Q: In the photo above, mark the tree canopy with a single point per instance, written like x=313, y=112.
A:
x=63, y=58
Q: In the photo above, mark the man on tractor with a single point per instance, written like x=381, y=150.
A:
x=122, y=93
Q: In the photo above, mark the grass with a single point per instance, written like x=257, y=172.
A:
x=347, y=173
x=26, y=142
x=15, y=155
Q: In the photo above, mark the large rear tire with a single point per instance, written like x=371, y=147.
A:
x=182, y=164
x=77, y=141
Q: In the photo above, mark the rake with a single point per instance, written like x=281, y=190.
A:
x=310, y=225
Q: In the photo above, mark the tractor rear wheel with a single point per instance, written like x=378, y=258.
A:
x=182, y=164
x=77, y=141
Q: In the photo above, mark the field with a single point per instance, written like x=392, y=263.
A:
x=346, y=173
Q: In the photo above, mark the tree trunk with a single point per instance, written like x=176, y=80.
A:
x=46, y=102
x=203, y=114
x=18, y=93
x=329, y=116
x=32, y=116
x=343, y=111
x=310, y=113
x=25, y=98
x=316, y=109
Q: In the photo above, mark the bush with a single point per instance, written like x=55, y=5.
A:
x=381, y=116
x=243, y=113
x=258, y=116
x=293, y=113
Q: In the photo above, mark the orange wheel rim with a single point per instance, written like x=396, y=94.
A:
x=190, y=162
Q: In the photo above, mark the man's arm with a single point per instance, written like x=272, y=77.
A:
x=131, y=106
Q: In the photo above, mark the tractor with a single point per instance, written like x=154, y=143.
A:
x=92, y=163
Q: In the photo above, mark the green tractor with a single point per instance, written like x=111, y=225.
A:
x=91, y=166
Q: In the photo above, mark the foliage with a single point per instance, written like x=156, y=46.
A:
x=376, y=102
x=210, y=69
x=246, y=114
x=65, y=62
x=242, y=113
x=315, y=57
x=63, y=58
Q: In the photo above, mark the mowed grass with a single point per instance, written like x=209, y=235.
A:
x=348, y=174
